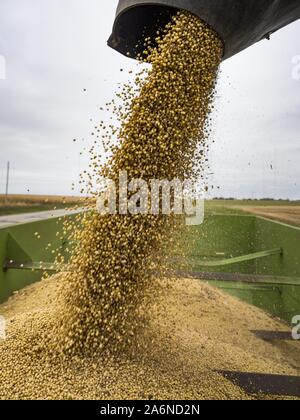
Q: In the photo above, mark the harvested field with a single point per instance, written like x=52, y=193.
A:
x=27, y=199
x=26, y=203
x=285, y=214
x=194, y=331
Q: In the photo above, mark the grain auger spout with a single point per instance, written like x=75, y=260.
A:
x=239, y=23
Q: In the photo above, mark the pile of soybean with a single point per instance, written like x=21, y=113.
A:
x=200, y=332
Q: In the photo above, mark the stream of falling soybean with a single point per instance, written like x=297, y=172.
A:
x=114, y=267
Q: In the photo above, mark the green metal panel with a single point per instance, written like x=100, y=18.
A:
x=271, y=233
x=235, y=236
x=240, y=259
x=19, y=243
x=220, y=238
x=281, y=301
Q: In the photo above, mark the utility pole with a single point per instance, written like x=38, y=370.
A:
x=7, y=182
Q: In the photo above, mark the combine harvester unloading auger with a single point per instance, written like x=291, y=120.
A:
x=239, y=23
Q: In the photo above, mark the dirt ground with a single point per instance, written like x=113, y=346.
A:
x=195, y=331
x=285, y=214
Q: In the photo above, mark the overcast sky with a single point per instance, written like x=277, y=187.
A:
x=55, y=49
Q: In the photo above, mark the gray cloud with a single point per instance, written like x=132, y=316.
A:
x=55, y=49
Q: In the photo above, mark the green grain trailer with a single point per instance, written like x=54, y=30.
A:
x=252, y=258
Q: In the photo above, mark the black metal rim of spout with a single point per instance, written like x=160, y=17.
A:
x=128, y=42
x=239, y=23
